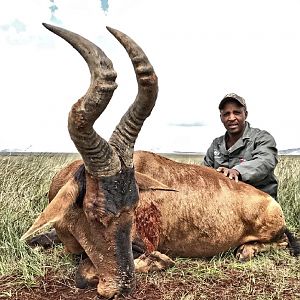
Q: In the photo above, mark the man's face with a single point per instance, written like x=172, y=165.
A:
x=233, y=117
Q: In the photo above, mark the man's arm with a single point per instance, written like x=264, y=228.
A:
x=209, y=160
x=263, y=162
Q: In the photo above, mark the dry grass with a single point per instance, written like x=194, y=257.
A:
x=24, y=183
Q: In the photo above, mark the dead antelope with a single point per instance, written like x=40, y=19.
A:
x=110, y=211
x=100, y=221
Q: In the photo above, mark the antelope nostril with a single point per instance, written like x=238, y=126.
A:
x=80, y=281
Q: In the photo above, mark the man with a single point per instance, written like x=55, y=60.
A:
x=243, y=153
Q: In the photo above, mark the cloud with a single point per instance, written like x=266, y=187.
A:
x=53, y=8
x=104, y=5
x=191, y=124
x=17, y=25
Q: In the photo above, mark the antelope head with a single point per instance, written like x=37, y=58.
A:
x=101, y=224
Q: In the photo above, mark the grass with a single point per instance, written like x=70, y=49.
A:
x=288, y=173
x=24, y=183
x=270, y=276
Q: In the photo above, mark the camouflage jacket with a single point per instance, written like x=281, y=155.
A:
x=254, y=156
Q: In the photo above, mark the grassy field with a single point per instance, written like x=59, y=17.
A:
x=24, y=183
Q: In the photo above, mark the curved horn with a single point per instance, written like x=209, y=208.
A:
x=99, y=157
x=126, y=132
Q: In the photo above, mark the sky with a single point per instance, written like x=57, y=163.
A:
x=200, y=50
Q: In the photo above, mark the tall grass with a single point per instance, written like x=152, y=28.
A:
x=24, y=183
x=288, y=173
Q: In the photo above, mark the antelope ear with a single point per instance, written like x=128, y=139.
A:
x=146, y=182
x=56, y=209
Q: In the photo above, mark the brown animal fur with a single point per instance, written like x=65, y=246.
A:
x=193, y=211
x=209, y=213
x=202, y=213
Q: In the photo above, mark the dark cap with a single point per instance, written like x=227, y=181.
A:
x=235, y=97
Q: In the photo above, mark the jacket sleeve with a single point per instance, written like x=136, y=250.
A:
x=263, y=162
x=209, y=156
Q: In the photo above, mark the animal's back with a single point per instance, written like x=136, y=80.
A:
x=208, y=213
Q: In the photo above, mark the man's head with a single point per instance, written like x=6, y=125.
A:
x=233, y=98
x=233, y=113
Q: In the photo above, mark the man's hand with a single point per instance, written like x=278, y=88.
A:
x=231, y=173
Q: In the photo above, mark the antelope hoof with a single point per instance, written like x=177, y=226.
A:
x=245, y=253
x=155, y=261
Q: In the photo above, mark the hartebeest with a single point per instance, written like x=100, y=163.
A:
x=100, y=222
x=104, y=207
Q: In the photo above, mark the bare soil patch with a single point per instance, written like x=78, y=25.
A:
x=233, y=284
